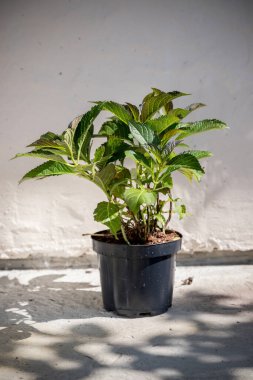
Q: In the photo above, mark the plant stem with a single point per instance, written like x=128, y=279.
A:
x=124, y=235
x=148, y=220
x=170, y=212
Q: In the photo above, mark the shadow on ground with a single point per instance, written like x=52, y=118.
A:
x=58, y=330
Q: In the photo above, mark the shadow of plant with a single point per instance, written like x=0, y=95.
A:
x=51, y=329
x=210, y=343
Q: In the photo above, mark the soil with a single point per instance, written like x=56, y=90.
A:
x=161, y=237
x=157, y=237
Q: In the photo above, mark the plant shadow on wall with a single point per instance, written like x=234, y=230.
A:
x=214, y=345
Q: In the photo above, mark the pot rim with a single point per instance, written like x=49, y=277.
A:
x=137, y=251
x=134, y=245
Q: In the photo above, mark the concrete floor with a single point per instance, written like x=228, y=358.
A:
x=53, y=326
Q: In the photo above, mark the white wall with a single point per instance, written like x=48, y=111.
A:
x=56, y=55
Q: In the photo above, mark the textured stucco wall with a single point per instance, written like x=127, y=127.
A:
x=55, y=55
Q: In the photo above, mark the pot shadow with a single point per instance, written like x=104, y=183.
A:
x=218, y=343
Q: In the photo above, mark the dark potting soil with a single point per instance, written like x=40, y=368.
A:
x=157, y=237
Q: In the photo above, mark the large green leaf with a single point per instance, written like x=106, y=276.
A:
x=134, y=110
x=189, y=129
x=185, y=160
x=84, y=131
x=42, y=154
x=115, y=127
x=115, y=148
x=172, y=131
x=74, y=123
x=108, y=128
x=43, y=142
x=142, y=133
x=136, y=197
x=105, y=176
x=68, y=138
x=162, y=123
x=155, y=103
x=118, y=110
x=179, y=162
x=120, y=181
x=168, y=106
x=109, y=214
x=49, y=168
x=148, y=96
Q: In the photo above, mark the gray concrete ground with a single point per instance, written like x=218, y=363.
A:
x=53, y=327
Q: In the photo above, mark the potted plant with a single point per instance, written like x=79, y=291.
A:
x=137, y=253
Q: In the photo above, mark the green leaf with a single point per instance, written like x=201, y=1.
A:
x=118, y=110
x=49, y=168
x=142, y=133
x=120, y=181
x=74, y=123
x=167, y=107
x=191, y=174
x=160, y=219
x=138, y=157
x=189, y=129
x=136, y=197
x=48, y=136
x=162, y=123
x=180, y=162
x=115, y=148
x=180, y=209
x=99, y=153
x=167, y=183
x=156, y=91
x=105, y=176
x=183, y=112
x=109, y=214
x=199, y=153
x=68, y=138
x=122, y=172
x=183, y=145
x=155, y=103
x=148, y=96
x=84, y=131
x=134, y=110
x=50, y=142
x=173, y=131
x=42, y=154
x=185, y=160
x=43, y=142
x=169, y=148
x=115, y=127
x=108, y=128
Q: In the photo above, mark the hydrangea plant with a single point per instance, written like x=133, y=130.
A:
x=139, y=200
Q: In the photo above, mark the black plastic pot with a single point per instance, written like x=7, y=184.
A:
x=137, y=280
